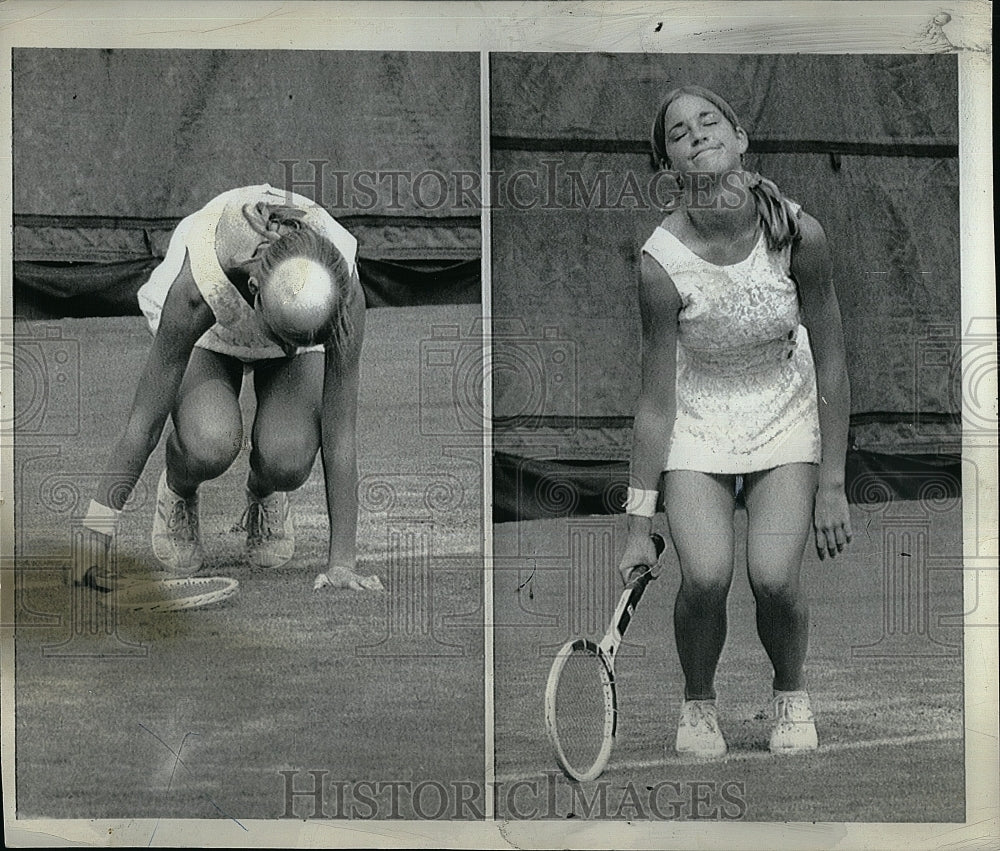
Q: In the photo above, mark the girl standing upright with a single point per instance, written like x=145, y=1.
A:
x=744, y=385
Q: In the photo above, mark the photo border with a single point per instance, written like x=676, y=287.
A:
x=780, y=26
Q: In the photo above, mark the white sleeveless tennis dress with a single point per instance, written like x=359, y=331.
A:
x=237, y=331
x=746, y=384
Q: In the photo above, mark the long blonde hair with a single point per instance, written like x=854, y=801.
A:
x=774, y=211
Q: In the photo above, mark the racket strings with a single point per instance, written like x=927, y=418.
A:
x=171, y=594
x=581, y=709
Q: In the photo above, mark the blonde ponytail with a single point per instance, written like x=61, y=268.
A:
x=774, y=212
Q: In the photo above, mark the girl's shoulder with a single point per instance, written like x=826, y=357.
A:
x=666, y=245
x=667, y=234
x=810, y=237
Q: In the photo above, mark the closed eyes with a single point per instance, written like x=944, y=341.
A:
x=679, y=134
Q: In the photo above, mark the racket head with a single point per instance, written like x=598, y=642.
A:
x=581, y=709
x=174, y=594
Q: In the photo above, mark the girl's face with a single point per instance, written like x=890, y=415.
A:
x=699, y=138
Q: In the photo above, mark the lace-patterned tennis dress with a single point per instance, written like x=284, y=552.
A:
x=746, y=385
x=237, y=331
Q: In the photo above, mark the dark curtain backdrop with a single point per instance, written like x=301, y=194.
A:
x=867, y=144
x=112, y=147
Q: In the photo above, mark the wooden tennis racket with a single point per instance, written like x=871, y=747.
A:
x=581, y=701
x=169, y=594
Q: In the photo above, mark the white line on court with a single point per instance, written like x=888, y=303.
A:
x=746, y=756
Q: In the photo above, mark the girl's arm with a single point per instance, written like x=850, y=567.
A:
x=812, y=269
x=340, y=456
x=659, y=306
x=184, y=319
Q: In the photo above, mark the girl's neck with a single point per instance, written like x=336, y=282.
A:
x=722, y=207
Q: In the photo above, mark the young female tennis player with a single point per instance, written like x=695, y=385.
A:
x=737, y=393
x=258, y=281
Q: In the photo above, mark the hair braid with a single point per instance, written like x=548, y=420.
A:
x=774, y=211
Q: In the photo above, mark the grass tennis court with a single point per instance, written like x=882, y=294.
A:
x=201, y=720
x=890, y=723
x=206, y=707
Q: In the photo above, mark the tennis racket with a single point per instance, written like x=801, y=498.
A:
x=581, y=703
x=173, y=594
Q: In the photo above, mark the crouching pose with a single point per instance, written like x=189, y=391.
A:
x=258, y=281
x=743, y=385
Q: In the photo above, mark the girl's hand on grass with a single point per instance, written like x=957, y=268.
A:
x=341, y=577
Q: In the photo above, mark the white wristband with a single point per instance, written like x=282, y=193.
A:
x=101, y=518
x=641, y=502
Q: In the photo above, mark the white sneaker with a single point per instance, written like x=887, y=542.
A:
x=269, y=528
x=794, y=725
x=698, y=733
x=176, y=538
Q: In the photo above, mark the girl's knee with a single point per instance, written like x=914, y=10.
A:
x=284, y=464
x=208, y=448
x=775, y=585
x=706, y=585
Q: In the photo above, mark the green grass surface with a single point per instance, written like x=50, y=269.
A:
x=205, y=707
x=890, y=724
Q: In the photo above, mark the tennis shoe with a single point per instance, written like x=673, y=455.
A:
x=176, y=536
x=794, y=725
x=698, y=733
x=270, y=530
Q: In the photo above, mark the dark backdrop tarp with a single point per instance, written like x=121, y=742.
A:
x=851, y=98
x=529, y=488
x=868, y=144
x=892, y=224
x=112, y=147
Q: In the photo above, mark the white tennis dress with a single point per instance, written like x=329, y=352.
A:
x=746, y=384
x=237, y=331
